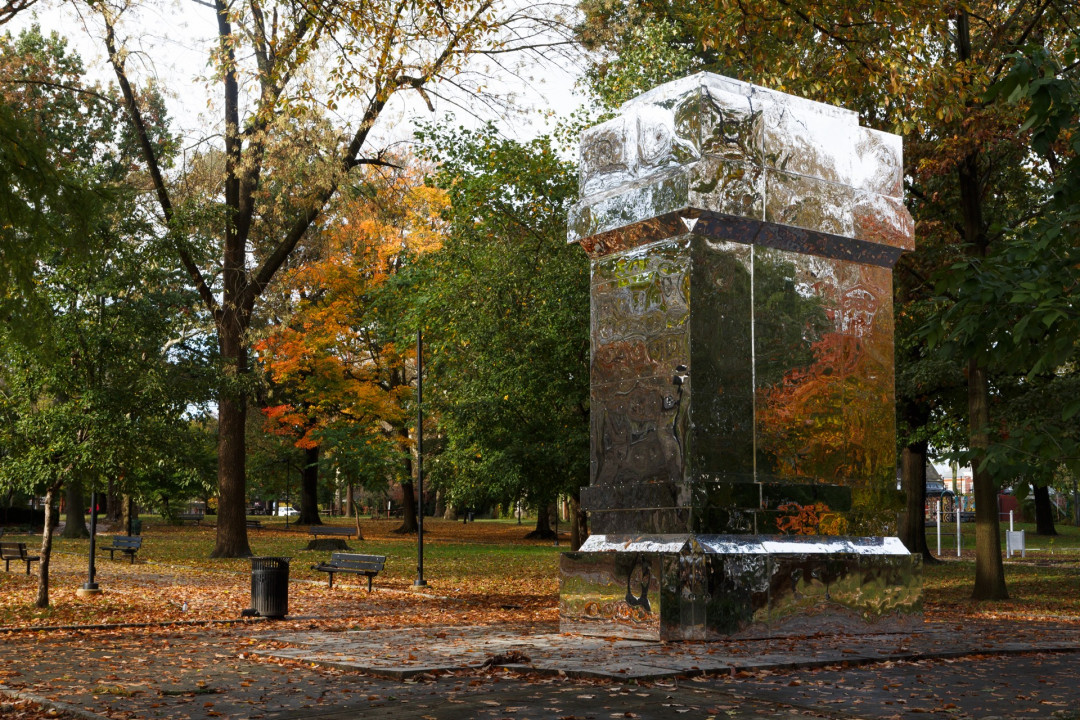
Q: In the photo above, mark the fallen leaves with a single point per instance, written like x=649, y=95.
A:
x=480, y=573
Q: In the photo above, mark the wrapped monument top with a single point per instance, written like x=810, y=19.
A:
x=706, y=151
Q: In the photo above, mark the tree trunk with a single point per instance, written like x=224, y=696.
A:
x=354, y=512
x=1044, y=512
x=989, y=570
x=408, y=495
x=408, y=507
x=440, y=503
x=543, y=530
x=75, y=511
x=579, y=530
x=913, y=480
x=127, y=506
x=350, y=499
x=231, y=539
x=309, y=489
x=114, y=508
x=42, y=600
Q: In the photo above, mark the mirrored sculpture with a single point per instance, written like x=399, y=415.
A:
x=742, y=243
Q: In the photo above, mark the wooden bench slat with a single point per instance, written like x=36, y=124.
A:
x=125, y=544
x=317, y=530
x=16, y=551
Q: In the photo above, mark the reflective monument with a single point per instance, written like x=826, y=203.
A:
x=742, y=244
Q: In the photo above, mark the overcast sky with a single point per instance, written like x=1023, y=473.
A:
x=169, y=40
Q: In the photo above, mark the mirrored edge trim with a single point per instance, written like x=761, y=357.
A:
x=741, y=230
x=636, y=543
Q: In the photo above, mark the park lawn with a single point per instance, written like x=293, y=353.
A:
x=482, y=572
x=1038, y=590
x=1066, y=543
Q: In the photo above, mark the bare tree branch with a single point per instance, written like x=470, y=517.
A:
x=138, y=123
x=11, y=8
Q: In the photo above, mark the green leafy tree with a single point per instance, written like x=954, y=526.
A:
x=279, y=163
x=48, y=117
x=504, y=307
x=94, y=391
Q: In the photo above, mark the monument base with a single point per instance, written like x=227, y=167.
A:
x=712, y=587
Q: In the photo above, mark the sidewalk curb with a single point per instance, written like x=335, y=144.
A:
x=51, y=704
x=125, y=626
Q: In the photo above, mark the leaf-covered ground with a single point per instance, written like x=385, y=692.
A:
x=478, y=573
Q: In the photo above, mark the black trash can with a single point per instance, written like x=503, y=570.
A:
x=270, y=586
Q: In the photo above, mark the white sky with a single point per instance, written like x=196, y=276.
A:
x=169, y=40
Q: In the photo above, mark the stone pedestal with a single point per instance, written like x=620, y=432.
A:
x=742, y=242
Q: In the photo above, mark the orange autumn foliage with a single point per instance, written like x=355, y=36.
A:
x=816, y=519
x=330, y=359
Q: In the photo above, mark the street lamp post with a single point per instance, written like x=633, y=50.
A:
x=420, y=581
x=90, y=587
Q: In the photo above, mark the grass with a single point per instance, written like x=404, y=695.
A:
x=477, y=572
x=481, y=572
x=1066, y=543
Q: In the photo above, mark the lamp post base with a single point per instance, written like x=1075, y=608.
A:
x=88, y=590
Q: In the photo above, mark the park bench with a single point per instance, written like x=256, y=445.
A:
x=196, y=518
x=330, y=530
x=254, y=524
x=370, y=565
x=16, y=551
x=125, y=544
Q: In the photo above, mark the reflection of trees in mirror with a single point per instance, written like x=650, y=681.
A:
x=829, y=416
x=788, y=320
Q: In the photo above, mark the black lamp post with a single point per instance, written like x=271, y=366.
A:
x=420, y=581
x=90, y=587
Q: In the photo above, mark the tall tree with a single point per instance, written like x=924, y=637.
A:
x=267, y=53
x=504, y=305
x=333, y=363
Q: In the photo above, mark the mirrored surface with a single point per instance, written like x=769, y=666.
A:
x=711, y=587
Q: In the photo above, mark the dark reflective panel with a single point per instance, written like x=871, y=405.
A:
x=869, y=417
x=738, y=591
x=713, y=586
x=640, y=337
x=638, y=432
x=610, y=593
x=798, y=366
x=722, y=359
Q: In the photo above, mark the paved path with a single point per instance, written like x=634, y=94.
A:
x=404, y=653
x=288, y=671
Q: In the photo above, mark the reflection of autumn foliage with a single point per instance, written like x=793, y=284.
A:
x=332, y=361
x=832, y=420
x=814, y=519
